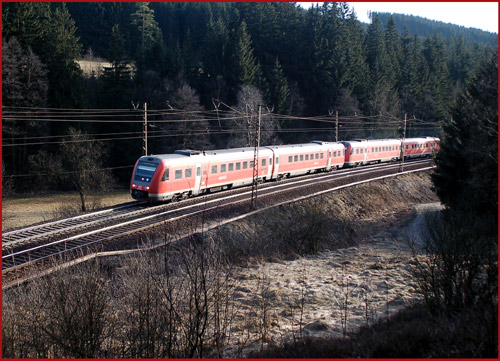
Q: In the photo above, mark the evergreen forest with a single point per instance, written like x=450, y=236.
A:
x=204, y=70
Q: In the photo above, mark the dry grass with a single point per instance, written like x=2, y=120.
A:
x=24, y=210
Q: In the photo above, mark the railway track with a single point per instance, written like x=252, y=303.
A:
x=81, y=234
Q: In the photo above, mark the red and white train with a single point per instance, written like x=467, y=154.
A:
x=189, y=173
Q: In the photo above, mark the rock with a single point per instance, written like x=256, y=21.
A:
x=317, y=326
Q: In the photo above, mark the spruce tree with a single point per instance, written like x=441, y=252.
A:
x=147, y=29
x=65, y=75
x=394, y=50
x=279, y=91
x=250, y=71
x=116, y=80
x=466, y=178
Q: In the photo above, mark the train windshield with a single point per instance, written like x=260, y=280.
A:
x=145, y=171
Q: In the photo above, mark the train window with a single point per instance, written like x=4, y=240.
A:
x=277, y=160
x=329, y=154
x=290, y=159
x=357, y=151
x=317, y=155
x=263, y=162
x=245, y=165
x=352, y=151
x=223, y=168
x=251, y=164
x=189, y=172
x=373, y=151
x=198, y=171
x=312, y=156
x=321, y=155
x=231, y=167
x=406, y=146
x=178, y=174
x=164, y=177
x=301, y=157
x=295, y=158
x=238, y=166
x=270, y=161
x=214, y=169
x=307, y=156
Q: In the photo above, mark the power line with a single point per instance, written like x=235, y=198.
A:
x=68, y=172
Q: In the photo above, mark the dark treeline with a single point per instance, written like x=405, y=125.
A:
x=423, y=27
x=189, y=56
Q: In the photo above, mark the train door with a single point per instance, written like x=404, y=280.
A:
x=197, y=181
x=329, y=162
x=273, y=163
x=271, y=168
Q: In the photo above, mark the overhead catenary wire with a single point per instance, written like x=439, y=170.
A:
x=201, y=132
x=67, y=172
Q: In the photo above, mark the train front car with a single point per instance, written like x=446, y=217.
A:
x=146, y=172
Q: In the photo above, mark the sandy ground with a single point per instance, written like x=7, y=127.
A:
x=19, y=211
x=335, y=292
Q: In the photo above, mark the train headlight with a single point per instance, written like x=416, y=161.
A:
x=147, y=188
x=134, y=185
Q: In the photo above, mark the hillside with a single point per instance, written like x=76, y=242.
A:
x=419, y=26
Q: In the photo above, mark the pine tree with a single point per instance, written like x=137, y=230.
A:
x=279, y=91
x=466, y=178
x=116, y=80
x=394, y=50
x=410, y=88
x=65, y=76
x=250, y=71
x=355, y=71
x=436, y=95
x=149, y=33
x=29, y=23
x=376, y=53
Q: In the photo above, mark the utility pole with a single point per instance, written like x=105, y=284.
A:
x=337, y=127
x=402, y=153
x=253, y=203
x=145, y=129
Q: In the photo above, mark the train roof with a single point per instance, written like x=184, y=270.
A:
x=421, y=139
x=372, y=142
x=180, y=156
x=313, y=144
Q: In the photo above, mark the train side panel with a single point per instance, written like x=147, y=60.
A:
x=379, y=151
x=420, y=147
